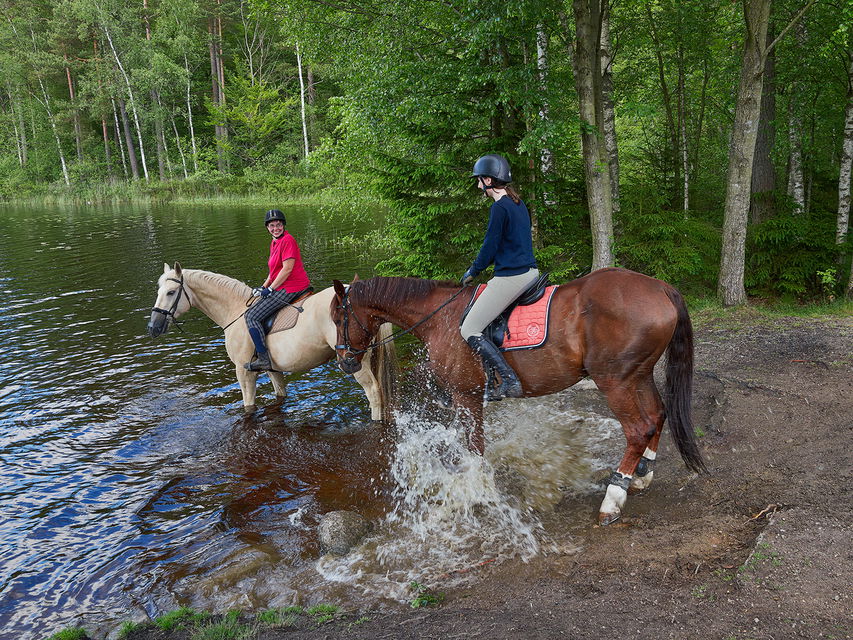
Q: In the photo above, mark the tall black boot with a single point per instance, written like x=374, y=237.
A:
x=510, y=386
x=262, y=361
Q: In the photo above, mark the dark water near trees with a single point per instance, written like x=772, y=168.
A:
x=129, y=471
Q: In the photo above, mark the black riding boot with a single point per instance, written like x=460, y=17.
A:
x=510, y=386
x=262, y=361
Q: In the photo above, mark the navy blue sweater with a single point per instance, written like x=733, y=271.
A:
x=508, y=242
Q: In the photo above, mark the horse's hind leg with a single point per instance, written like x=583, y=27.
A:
x=638, y=408
x=278, y=383
x=645, y=471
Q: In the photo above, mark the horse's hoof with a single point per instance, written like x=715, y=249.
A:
x=605, y=519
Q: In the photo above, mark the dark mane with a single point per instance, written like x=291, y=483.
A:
x=397, y=291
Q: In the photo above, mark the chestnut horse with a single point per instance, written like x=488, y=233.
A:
x=611, y=325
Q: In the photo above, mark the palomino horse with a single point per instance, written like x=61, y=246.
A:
x=611, y=325
x=307, y=345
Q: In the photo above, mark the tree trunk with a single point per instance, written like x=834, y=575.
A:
x=588, y=82
x=107, y=154
x=118, y=138
x=217, y=78
x=19, y=133
x=128, y=139
x=610, y=140
x=546, y=157
x=302, y=100
x=667, y=99
x=844, y=177
x=796, y=189
x=76, y=113
x=180, y=148
x=682, y=133
x=730, y=286
x=763, y=197
x=190, y=114
x=132, y=107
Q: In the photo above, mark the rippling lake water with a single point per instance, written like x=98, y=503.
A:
x=132, y=482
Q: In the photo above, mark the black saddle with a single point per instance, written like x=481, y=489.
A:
x=498, y=328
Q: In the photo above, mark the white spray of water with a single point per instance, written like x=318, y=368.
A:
x=456, y=511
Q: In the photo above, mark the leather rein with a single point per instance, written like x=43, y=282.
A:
x=346, y=307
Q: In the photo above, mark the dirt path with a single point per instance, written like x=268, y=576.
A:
x=759, y=549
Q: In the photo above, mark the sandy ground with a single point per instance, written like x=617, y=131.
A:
x=758, y=549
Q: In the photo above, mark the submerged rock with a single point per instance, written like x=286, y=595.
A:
x=340, y=531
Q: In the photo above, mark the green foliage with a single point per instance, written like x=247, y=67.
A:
x=127, y=628
x=793, y=256
x=180, y=618
x=670, y=246
x=75, y=633
x=423, y=597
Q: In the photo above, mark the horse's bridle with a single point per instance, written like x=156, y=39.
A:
x=346, y=307
x=171, y=312
x=349, y=352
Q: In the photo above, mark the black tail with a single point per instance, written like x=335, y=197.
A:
x=679, y=386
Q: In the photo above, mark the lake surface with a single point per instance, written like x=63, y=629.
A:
x=132, y=482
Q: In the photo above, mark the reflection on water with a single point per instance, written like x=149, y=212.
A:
x=132, y=482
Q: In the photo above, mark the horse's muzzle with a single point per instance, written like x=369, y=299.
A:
x=349, y=365
x=158, y=324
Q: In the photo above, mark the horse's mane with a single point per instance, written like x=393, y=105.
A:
x=398, y=291
x=217, y=279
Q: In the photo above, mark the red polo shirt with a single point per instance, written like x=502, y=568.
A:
x=285, y=248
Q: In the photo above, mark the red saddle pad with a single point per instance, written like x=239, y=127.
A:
x=528, y=325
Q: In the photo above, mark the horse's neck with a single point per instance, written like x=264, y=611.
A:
x=213, y=297
x=414, y=310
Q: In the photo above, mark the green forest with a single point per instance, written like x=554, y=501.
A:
x=704, y=142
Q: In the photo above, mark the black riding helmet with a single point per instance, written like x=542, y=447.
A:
x=494, y=166
x=274, y=214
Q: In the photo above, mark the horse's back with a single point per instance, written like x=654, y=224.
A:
x=621, y=293
x=619, y=311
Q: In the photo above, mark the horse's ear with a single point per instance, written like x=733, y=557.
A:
x=340, y=291
x=355, y=277
x=166, y=267
x=178, y=269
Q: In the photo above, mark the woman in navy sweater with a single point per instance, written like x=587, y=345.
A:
x=509, y=245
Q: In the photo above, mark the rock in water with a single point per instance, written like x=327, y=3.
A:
x=340, y=531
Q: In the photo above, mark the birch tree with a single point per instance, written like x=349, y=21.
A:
x=730, y=285
x=846, y=165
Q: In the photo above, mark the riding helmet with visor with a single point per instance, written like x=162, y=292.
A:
x=274, y=214
x=493, y=165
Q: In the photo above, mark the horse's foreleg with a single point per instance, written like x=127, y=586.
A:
x=368, y=382
x=470, y=408
x=278, y=383
x=634, y=407
x=248, y=385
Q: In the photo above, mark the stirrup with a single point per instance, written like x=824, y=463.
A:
x=260, y=363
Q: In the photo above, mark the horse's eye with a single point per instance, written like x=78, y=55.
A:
x=170, y=293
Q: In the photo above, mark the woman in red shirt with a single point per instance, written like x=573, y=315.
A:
x=287, y=280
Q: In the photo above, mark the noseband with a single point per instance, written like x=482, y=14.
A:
x=170, y=313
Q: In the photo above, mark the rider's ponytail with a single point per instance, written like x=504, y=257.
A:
x=510, y=190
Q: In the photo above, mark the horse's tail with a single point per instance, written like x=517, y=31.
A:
x=679, y=386
x=383, y=365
